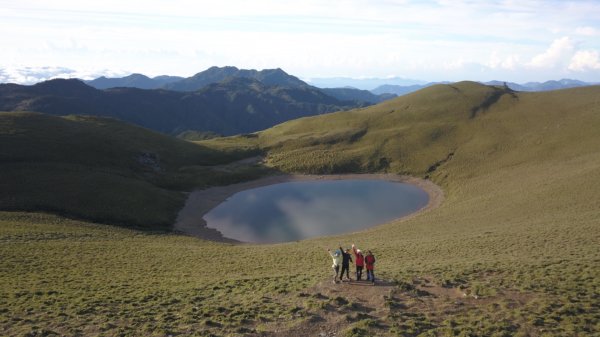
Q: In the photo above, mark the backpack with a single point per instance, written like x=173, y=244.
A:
x=370, y=259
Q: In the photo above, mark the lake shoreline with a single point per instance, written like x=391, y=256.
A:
x=199, y=202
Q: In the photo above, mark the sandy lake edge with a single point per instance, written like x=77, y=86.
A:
x=199, y=202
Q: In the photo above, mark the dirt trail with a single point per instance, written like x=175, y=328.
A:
x=336, y=309
x=339, y=305
x=239, y=163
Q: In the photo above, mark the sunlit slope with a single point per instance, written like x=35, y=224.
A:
x=510, y=163
x=408, y=134
x=480, y=125
x=97, y=168
x=502, y=157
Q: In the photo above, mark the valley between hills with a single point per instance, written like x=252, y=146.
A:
x=88, y=204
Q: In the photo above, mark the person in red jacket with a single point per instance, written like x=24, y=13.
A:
x=360, y=262
x=370, y=264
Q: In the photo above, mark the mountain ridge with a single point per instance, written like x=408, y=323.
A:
x=270, y=77
x=235, y=105
x=529, y=86
x=134, y=80
x=273, y=77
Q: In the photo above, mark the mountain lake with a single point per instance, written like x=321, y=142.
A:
x=304, y=209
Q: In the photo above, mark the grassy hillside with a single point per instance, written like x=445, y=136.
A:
x=101, y=169
x=520, y=171
x=518, y=233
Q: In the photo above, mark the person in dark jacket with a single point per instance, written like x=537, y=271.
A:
x=370, y=264
x=346, y=259
x=359, y=259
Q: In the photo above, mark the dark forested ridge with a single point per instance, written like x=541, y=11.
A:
x=232, y=106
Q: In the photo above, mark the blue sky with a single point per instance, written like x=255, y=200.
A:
x=427, y=40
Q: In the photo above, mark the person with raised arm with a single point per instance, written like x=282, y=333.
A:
x=359, y=260
x=337, y=260
x=346, y=259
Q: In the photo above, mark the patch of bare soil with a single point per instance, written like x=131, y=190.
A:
x=336, y=306
x=436, y=299
x=334, y=309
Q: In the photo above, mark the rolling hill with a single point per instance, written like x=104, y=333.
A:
x=440, y=125
x=233, y=106
x=511, y=251
x=101, y=169
x=529, y=86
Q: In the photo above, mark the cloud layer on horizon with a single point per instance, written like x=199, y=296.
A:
x=429, y=40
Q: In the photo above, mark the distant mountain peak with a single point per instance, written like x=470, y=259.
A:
x=222, y=68
x=65, y=81
x=136, y=75
x=269, y=77
x=134, y=80
x=63, y=86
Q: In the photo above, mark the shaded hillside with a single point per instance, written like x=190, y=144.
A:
x=236, y=105
x=352, y=94
x=101, y=169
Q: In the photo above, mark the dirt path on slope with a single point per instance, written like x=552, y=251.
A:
x=341, y=309
x=189, y=220
x=338, y=306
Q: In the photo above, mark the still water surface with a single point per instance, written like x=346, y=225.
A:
x=299, y=210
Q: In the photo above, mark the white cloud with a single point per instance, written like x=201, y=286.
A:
x=585, y=60
x=510, y=62
x=559, y=51
x=311, y=38
x=587, y=31
x=32, y=75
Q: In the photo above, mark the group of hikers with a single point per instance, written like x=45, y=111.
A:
x=342, y=258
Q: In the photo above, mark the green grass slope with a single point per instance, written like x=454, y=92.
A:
x=99, y=169
x=518, y=229
x=520, y=171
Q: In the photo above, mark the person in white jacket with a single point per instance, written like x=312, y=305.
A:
x=337, y=261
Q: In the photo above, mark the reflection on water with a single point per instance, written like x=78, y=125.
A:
x=299, y=210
